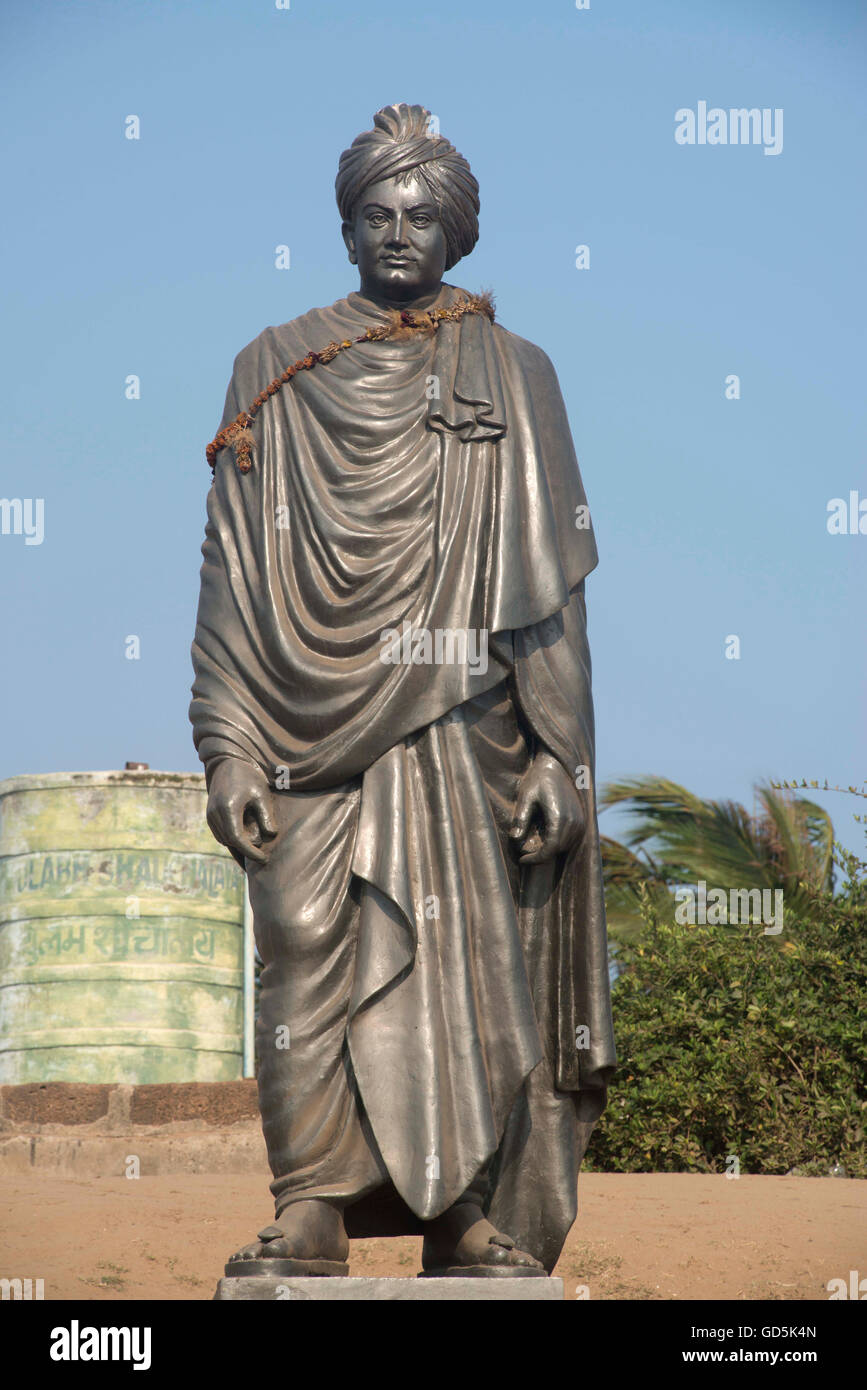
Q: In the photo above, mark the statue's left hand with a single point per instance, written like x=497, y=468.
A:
x=548, y=800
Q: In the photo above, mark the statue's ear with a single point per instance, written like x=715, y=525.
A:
x=349, y=237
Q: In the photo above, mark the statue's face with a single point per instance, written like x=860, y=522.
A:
x=397, y=241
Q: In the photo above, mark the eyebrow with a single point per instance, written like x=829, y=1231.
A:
x=417, y=207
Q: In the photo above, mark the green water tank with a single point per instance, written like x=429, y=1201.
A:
x=121, y=931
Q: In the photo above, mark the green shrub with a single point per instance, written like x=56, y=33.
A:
x=732, y=1042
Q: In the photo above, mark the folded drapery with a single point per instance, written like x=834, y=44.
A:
x=429, y=483
x=357, y=517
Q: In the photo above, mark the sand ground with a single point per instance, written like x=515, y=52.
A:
x=638, y=1236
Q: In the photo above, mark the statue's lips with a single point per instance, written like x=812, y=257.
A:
x=399, y=262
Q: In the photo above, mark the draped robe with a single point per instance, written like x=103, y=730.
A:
x=450, y=1005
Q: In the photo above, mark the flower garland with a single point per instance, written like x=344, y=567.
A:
x=400, y=323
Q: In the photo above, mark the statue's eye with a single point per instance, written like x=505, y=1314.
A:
x=377, y=219
x=421, y=220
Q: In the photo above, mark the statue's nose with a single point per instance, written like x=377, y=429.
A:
x=398, y=236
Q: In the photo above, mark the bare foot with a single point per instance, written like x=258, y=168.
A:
x=462, y=1237
x=306, y=1230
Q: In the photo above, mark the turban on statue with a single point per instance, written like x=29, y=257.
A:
x=401, y=144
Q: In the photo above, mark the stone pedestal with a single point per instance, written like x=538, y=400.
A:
x=273, y=1288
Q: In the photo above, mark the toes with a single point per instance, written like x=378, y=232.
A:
x=248, y=1252
x=278, y=1250
x=495, y=1256
x=504, y=1252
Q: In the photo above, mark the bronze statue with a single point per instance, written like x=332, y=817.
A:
x=392, y=702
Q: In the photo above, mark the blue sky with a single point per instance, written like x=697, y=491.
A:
x=156, y=257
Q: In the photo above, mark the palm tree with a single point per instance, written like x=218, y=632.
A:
x=681, y=839
x=631, y=882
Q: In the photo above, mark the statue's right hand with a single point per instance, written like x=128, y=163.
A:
x=240, y=809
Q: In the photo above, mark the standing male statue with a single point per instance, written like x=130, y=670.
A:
x=392, y=702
